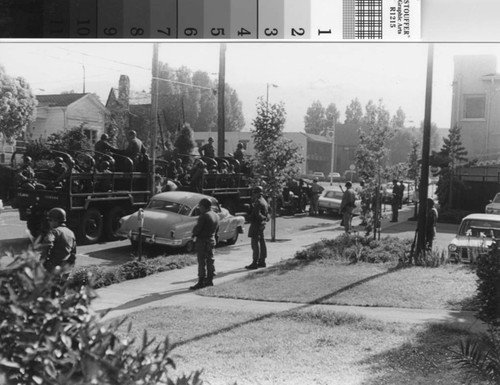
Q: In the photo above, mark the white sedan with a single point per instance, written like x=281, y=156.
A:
x=329, y=201
x=494, y=206
x=475, y=236
x=169, y=219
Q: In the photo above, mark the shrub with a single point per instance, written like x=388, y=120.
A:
x=97, y=276
x=480, y=356
x=488, y=286
x=49, y=335
x=356, y=248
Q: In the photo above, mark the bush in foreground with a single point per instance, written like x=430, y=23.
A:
x=480, y=356
x=49, y=335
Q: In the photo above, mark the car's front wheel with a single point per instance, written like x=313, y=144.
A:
x=234, y=238
x=189, y=247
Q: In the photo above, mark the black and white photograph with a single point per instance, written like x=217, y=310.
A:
x=230, y=212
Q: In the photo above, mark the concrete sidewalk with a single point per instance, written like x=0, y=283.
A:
x=171, y=288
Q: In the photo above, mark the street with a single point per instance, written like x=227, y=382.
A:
x=13, y=237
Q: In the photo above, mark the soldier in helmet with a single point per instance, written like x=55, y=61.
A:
x=59, y=245
x=58, y=173
x=102, y=146
x=239, y=153
x=208, y=149
x=258, y=218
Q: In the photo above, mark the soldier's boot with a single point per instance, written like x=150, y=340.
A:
x=208, y=282
x=199, y=285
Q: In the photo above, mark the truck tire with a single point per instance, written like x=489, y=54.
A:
x=230, y=206
x=111, y=222
x=91, y=226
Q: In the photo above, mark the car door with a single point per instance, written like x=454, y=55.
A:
x=224, y=221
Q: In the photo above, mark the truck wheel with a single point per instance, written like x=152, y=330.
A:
x=91, y=226
x=230, y=206
x=234, y=238
x=111, y=222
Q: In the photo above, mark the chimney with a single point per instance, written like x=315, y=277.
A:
x=124, y=91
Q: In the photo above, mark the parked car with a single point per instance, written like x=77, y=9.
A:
x=169, y=219
x=474, y=237
x=319, y=175
x=335, y=177
x=329, y=202
x=494, y=206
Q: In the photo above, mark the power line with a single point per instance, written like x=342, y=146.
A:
x=103, y=58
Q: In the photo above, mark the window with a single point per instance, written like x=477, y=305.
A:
x=91, y=135
x=474, y=106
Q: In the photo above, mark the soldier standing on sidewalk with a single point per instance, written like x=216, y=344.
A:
x=258, y=218
x=205, y=232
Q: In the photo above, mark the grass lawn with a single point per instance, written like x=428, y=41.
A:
x=364, y=284
x=304, y=346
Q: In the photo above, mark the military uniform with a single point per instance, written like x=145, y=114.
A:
x=205, y=232
x=258, y=219
x=59, y=248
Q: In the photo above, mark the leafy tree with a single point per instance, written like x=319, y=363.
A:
x=435, y=140
x=276, y=158
x=398, y=120
x=70, y=141
x=455, y=153
x=233, y=114
x=50, y=335
x=315, y=119
x=184, y=143
x=371, y=155
x=332, y=117
x=413, y=165
x=17, y=105
x=207, y=117
x=400, y=145
x=321, y=121
x=186, y=97
x=354, y=112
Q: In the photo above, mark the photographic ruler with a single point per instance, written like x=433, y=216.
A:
x=323, y=20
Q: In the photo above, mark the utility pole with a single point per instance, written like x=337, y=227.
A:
x=221, y=140
x=424, y=175
x=154, y=114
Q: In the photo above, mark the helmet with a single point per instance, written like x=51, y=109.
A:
x=27, y=159
x=257, y=190
x=210, y=139
x=104, y=137
x=105, y=165
x=57, y=214
x=240, y=145
x=58, y=160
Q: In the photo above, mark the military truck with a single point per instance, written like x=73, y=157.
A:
x=94, y=198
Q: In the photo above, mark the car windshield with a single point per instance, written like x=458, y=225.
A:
x=173, y=207
x=496, y=199
x=477, y=227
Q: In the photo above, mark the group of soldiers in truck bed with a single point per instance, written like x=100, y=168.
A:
x=187, y=172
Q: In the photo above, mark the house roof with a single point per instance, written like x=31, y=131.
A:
x=58, y=100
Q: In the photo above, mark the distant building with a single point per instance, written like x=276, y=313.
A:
x=60, y=112
x=476, y=105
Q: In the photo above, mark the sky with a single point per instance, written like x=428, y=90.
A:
x=394, y=73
